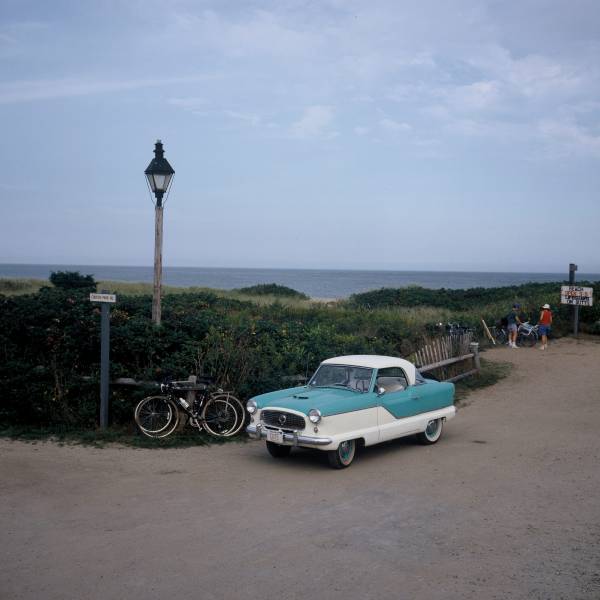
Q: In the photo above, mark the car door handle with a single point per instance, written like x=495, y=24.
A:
x=415, y=396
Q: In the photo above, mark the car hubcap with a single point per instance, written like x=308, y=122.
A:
x=432, y=428
x=346, y=451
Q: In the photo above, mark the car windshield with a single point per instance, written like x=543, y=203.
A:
x=357, y=379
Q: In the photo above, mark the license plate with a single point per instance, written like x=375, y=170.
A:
x=275, y=436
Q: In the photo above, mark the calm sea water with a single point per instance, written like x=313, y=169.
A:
x=316, y=283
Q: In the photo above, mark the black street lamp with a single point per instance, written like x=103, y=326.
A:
x=159, y=175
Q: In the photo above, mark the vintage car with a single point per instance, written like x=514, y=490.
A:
x=352, y=401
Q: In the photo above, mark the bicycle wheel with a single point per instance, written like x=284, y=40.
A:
x=501, y=337
x=528, y=339
x=156, y=416
x=239, y=409
x=220, y=417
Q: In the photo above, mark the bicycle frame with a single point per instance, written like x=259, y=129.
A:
x=192, y=410
x=206, y=407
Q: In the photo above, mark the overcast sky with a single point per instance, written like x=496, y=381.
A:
x=334, y=134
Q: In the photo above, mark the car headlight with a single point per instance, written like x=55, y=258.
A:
x=251, y=406
x=314, y=415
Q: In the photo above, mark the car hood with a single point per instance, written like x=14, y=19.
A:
x=328, y=400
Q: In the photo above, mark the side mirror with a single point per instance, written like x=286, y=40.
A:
x=380, y=390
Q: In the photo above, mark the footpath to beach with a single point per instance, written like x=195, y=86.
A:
x=506, y=505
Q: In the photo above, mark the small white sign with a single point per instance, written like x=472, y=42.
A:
x=103, y=298
x=576, y=296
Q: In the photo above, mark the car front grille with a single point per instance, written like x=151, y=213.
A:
x=284, y=420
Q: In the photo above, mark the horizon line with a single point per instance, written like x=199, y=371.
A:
x=353, y=269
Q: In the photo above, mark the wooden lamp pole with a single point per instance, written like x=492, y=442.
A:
x=159, y=175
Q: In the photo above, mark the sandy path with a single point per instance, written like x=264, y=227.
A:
x=506, y=505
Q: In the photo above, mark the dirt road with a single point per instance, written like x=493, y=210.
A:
x=506, y=505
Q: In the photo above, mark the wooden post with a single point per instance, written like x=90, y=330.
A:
x=487, y=332
x=572, y=269
x=191, y=395
x=158, y=232
x=474, y=347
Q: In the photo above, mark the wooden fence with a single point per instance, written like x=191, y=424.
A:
x=444, y=352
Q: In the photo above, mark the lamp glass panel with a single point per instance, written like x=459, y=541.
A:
x=168, y=181
x=159, y=182
x=150, y=178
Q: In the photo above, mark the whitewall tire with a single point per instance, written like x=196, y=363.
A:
x=432, y=433
x=343, y=456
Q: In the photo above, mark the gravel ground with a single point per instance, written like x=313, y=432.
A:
x=504, y=506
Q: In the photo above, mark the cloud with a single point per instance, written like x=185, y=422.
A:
x=191, y=103
x=200, y=107
x=29, y=91
x=467, y=72
x=248, y=118
x=314, y=123
x=261, y=32
x=476, y=96
x=531, y=75
x=394, y=126
x=567, y=138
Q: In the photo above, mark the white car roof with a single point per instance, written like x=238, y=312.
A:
x=374, y=361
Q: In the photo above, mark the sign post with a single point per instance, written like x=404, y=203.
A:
x=105, y=300
x=576, y=296
x=575, y=309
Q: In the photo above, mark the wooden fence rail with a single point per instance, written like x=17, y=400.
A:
x=449, y=350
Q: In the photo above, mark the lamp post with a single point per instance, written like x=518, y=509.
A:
x=159, y=174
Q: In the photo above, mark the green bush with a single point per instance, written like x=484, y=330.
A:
x=69, y=280
x=50, y=341
x=272, y=289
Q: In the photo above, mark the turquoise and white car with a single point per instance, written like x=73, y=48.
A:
x=352, y=401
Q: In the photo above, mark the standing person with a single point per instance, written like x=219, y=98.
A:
x=544, y=325
x=513, y=323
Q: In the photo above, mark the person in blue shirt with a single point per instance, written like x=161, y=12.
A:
x=514, y=321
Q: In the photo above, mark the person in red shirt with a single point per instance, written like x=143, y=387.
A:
x=544, y=325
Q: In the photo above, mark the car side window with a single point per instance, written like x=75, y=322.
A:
x=392, y=379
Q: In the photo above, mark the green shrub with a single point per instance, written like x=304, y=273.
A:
x=69, y=280
x=272, y=289
x=50, y=341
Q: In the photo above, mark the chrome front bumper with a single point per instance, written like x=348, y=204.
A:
x=258, y=432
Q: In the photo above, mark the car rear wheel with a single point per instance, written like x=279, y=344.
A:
x=343, y=456
x=432, y=433
x=277, y=450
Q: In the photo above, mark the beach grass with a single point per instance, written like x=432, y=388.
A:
x=18, y=286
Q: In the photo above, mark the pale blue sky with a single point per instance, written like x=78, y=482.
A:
x=335, y=134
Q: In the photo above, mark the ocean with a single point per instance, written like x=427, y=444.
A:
x=316, y=283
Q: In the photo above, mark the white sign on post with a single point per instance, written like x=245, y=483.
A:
x=576, y=296
x=103, y=298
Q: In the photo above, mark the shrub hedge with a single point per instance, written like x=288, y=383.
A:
x=50, y=341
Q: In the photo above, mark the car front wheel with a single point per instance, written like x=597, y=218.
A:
x=343, y=456
x=432, y=433
x=277, y=450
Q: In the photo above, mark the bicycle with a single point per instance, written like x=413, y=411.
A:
x=527, y=334
x=457, y=328
x=218, y=412
x=449, y=328
x=500, y=334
